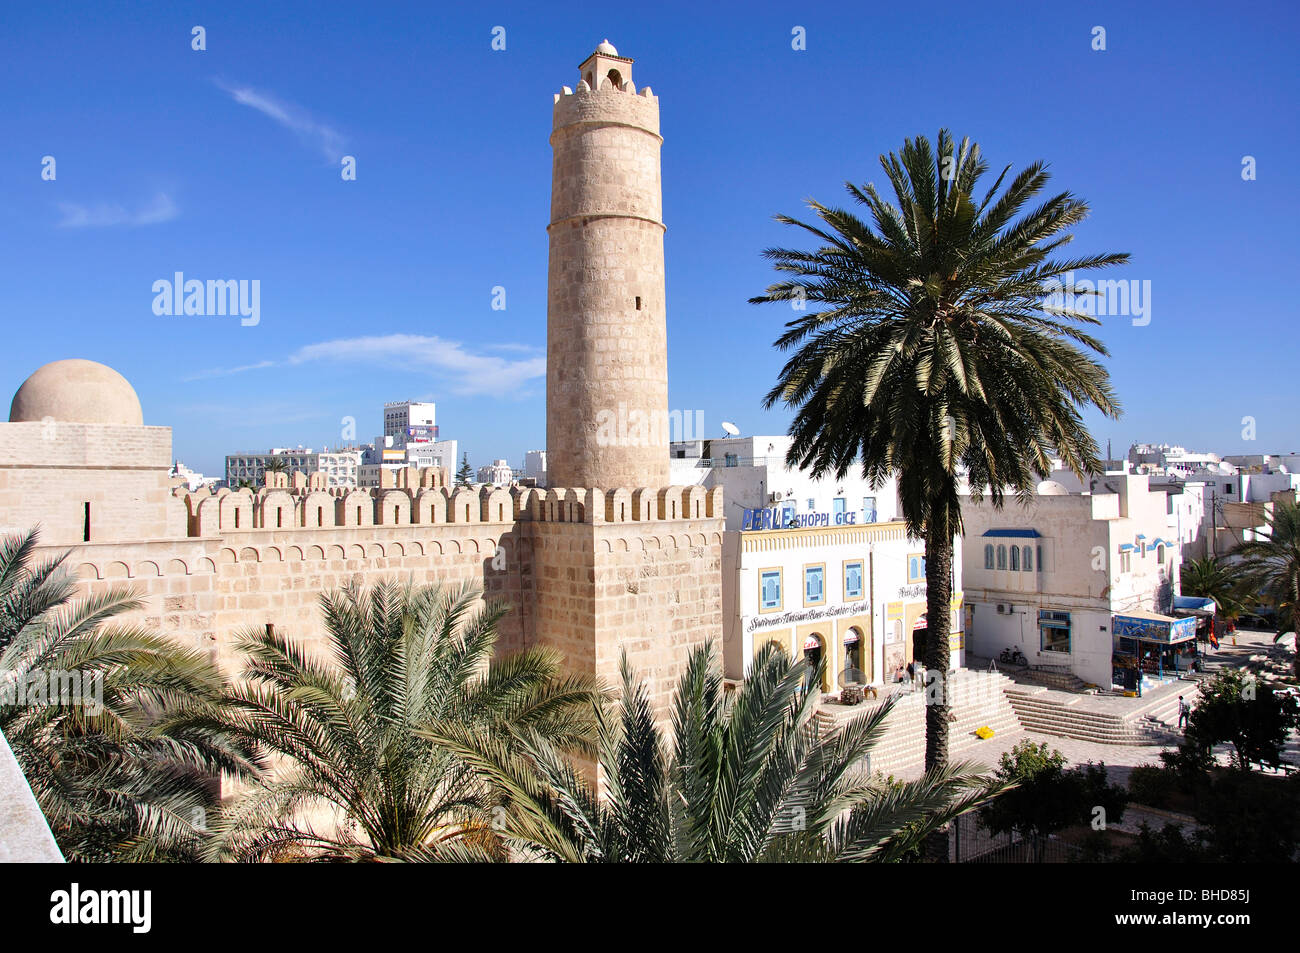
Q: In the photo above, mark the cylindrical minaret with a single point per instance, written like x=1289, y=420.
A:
x=606, y=339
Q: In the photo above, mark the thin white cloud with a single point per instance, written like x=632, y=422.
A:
x=104, y=215
x=464, y=372
x=227, y=371
x=314, y=133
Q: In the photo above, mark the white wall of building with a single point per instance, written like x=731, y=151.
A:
x=883, y=617
x=753, y=474
x=1101, y=554
x=535, y=466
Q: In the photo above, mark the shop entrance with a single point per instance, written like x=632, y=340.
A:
x=919, y=633
x=813, y=652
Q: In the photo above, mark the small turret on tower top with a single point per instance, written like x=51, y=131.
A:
x=605, y=65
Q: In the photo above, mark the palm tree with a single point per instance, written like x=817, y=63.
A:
x=1213, y=578
x=748, y=779
x=352, y=780
x=273, y=465
x=101, y=718
x=1271, y=564
x=939, y=353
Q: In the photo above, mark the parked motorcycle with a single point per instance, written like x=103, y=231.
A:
x=1013, y=657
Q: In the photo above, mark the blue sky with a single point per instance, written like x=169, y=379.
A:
x=224, y=164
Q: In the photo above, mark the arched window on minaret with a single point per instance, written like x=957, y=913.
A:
x=615, y=79
x=590, y=80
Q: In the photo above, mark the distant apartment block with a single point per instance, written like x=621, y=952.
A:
x=340, y=467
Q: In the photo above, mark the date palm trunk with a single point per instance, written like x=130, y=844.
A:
x=938, y=654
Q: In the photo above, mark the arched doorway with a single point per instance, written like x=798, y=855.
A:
x=814, y=650
x=853, y=672
x=615, y=79
x=919, y=630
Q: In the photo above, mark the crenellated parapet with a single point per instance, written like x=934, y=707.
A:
x=641, y=505
x=305, y=501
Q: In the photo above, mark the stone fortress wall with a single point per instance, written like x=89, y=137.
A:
x=624, y=563
x=579, y=569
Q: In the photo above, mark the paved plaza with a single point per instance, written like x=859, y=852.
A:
x=1120, y=759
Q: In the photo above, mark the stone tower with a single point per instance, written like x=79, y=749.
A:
x=606, y=339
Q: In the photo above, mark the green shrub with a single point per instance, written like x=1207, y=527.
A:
x=1153, y=784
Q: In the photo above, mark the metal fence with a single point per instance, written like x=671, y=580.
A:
x=969, y=842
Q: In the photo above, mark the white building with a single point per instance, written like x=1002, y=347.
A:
x=341, y=467
x=1061, y=578
x=410, y=439
x=498, y=473
x=854, y=594
x=822, y=567
x=755, y=476
x=437, y=453
x=535, y=466
x=193, y=479
x=410, y=420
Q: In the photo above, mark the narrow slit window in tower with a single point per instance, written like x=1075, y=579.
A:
x=638, y=302
x=85, y=524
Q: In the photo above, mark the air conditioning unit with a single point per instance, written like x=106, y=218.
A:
x=774, y=497
x=1003, y=609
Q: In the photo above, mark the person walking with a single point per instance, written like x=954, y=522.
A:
x=1184, y=710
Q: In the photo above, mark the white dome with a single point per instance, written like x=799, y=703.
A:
x=1052, y=488
x=607, y=48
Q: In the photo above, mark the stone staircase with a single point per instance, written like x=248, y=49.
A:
x=1068, y=716
x=977, y=699
x=1061, y=681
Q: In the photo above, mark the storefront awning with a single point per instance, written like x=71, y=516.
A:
x=1195, y=604
x=1153, y=627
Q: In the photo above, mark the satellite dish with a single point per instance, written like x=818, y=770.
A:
x=731, y=428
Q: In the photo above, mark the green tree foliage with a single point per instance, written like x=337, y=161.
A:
x=946, y=345
x=1048, y=796
x=346, y=730
x=741, y=777
x=1236, y=708
x=126, y=766
x=1271, y=564
x=1241, y=818
x=1215, y=578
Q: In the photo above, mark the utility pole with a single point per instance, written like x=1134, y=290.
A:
x=1214, y=522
